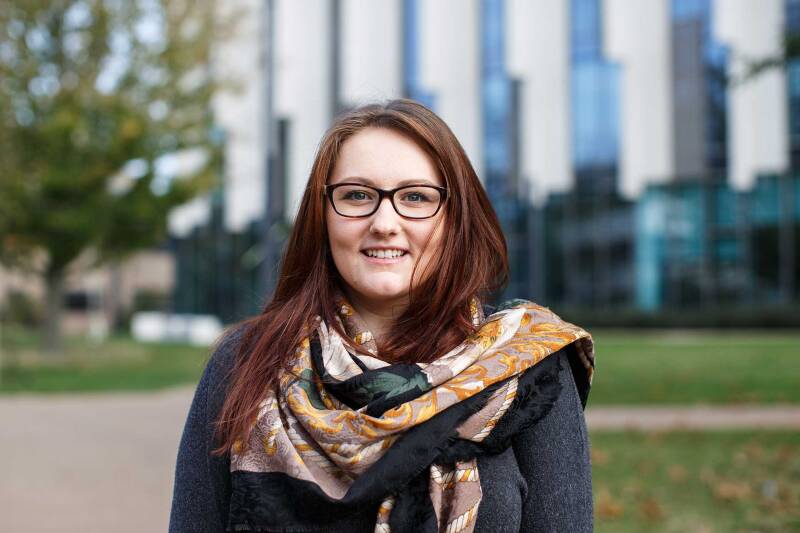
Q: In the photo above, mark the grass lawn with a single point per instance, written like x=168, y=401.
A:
x=118, y=363
x=696, y=482
x=632, y=367
x=696, y=367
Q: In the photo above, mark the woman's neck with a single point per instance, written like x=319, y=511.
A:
x=377, y=316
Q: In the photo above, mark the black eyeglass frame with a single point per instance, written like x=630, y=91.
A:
x=384, y=193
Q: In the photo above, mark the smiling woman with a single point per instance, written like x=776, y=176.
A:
x=376, y=391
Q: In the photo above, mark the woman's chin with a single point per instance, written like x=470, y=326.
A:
x=387, y=296
x=387, y=292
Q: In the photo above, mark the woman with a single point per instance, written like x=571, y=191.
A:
x=375, y=392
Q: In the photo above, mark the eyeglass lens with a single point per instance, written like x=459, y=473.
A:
x=417, y=201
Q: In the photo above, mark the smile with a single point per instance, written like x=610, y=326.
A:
x=383, y=253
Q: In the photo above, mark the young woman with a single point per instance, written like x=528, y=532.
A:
x=376, y=392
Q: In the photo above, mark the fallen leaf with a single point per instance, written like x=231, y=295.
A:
x=732, y=490
x=608, y=507
x=652, y=510
x=646, y=467
x=599, y=457
x=677, y=473
x=786, y=453
x=707, y=475
x=753, y=451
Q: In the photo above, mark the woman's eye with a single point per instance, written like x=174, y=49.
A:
x=415, y=197
x=356, y=195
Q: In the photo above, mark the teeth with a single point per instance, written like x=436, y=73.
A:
x=383, y=254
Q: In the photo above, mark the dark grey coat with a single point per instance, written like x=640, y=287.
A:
x=542, y=483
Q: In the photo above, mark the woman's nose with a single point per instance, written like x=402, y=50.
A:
x=385, y=219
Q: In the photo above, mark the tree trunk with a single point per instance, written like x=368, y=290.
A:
x=111, y=297
x=54, y=300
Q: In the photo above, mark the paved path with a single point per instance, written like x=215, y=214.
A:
x=694, y=418
x=85, y=463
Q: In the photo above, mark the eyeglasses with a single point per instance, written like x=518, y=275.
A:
x=355, y=200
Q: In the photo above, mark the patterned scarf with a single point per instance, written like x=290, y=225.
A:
x=347, y=432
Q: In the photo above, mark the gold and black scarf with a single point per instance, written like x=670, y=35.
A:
x=345, y=432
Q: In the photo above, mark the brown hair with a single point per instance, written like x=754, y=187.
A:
x=474, y=263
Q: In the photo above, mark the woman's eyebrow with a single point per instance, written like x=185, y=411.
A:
x=417, y=181
x=357, y=179
x=367, y=181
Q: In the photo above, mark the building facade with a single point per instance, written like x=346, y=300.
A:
x=635, y=155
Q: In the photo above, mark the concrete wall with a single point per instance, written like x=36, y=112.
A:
x=757, y=121
x=302, y=85
x=450, y=68
x=538, y=55
x=637, y=36
x=371, y=51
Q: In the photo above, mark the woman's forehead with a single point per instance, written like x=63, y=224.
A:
x=384, y=158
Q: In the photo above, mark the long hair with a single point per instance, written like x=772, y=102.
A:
x=438, y=317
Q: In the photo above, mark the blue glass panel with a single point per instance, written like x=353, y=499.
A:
x=695, y=238
x=689, y=9
x=766, y=201
x=594, y=90
x=595, y=113
x=725, y=207
x=585, y=31
x=797, y=198
x=495, y=90
x=792, y=16
x=727, y=250
x=650, y=222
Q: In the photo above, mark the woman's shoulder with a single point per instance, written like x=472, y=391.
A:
x=545, y=325
x=489, y=309
x=521, y=303
x=223, y=356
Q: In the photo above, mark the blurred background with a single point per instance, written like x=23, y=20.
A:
x=642, y=155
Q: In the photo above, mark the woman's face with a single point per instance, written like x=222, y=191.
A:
x=385, y=159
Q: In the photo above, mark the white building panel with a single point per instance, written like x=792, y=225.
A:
x=757, y=108
x=537, y=52
x=240, y=112
x=637, y=36
x=371, y=51
x=450, y=68
x=302, y=85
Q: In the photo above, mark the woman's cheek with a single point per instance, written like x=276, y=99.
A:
x=432, y=251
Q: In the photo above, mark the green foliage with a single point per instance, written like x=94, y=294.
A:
x=20, y=308
x=756, y=67
x=93, y=94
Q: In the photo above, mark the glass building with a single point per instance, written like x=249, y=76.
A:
x=689, y=243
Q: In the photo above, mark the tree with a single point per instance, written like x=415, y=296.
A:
x=94, y=94
x=753, y=68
